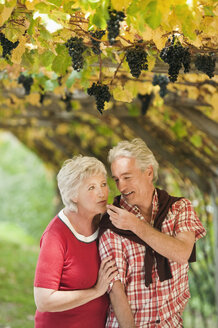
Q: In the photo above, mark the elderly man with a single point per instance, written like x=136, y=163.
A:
x=151, y=236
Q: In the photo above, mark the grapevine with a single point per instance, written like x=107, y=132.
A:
x=206, y=64
x=96, y=44
x=7, y=45
x=76, y=48
x=176, y=56
x=27, y=82
x=162, y=81
x=101, y=94
x=113, y=25
x=137, y=60
x=145, y=102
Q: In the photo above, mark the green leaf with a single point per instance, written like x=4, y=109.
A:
x=196, y=140
x=179, y=129
x=62, y=61
x=47, y=58
x=133, y=110
x=208, y=10
x=153, y=15
x=74, y=75
x=55, y=2
x=50, y=85
x=99, y=20
x=44, y=8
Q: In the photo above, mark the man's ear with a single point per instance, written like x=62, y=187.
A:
x=150, y=172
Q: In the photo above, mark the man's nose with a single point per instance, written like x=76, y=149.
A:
x=121, y=186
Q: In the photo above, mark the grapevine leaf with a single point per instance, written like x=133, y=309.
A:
x=153, y=15
x=196, y=140
x=47, y=58
x=179, y=129
x=120, y=5
x=74, y=75
x=62, y=61
x=19, y=51
x=56, y=2
x=121, y=94
x=5, y=13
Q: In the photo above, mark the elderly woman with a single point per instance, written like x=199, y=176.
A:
x=70, y=283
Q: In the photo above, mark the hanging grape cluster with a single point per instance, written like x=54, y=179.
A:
x=137, y=60
x=145, y=102
x=162, y=81
x=101, y=94
x=113, y=25
x=7, y=45
x=176, y=56
x=27, y=82
x=206, y=64
x=96, y=44
x=76, y=48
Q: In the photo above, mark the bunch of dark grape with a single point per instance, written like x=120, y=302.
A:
x=27, y=82
x=137, y=60
x=113, y=25
x=96, y=44
x=101, y=93
x=145, y=102
x=7, y=45
x=76, y=48
x=162, y=81
x=206, y=64
x=176, y=56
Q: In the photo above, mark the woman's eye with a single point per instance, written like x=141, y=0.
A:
x=104, y=184
x=91, y=188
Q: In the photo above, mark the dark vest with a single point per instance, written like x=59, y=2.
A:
x=165, y=202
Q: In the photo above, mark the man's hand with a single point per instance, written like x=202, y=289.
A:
x=121, y=218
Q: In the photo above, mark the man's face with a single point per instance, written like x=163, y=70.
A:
x=134, y=184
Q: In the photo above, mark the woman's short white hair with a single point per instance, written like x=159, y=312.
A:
x=137, y=149
x=71, y=175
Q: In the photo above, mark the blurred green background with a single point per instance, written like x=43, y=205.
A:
x=28, y=201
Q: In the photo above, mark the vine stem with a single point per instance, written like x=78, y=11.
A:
x=100, y=68
x=118, y=67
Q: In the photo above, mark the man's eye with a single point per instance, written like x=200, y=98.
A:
x=104, y=184
x=91, y=188
x=127, y=178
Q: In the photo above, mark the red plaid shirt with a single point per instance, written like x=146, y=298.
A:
x=160, y=304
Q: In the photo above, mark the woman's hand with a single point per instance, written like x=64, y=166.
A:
x=107, y=272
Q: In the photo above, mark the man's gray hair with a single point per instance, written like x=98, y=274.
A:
x=72, y=174
x=137, y=149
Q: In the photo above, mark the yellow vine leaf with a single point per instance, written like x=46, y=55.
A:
x=5, y=14
x=158, y=38
x=19, y=51
x=121, y=94
x=62, y=129
x=214, y=103
x=33, y=99
x=147, y=34
x=30, y=5
x=120, y=5
x=151, y=62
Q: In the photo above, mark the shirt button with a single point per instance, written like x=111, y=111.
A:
x=157, y=321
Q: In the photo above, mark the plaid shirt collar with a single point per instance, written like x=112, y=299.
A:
x=135, y=210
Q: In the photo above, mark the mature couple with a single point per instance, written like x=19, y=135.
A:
x=145, y=241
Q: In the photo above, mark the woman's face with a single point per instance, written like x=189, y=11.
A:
x=92, y=195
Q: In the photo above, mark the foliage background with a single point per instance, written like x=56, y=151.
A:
x=28, y=201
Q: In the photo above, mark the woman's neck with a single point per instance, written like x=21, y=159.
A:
x=83, y=224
